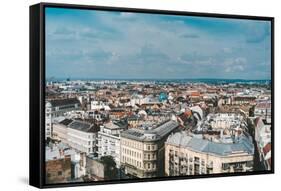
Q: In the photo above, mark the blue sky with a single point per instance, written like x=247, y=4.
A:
x=103, y=44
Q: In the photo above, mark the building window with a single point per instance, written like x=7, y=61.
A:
x=148, y=165
x=203, y=162
x=190, y=168
x=148, y=147
x=59, y=173
x=203, y=171
x=225, y=166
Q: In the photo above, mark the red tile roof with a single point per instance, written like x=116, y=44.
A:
x=267, y=148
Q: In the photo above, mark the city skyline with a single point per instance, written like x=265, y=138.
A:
x=91, y=44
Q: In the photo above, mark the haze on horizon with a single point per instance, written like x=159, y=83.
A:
x=89, y=44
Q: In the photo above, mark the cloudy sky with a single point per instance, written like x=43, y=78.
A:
x=115, y=45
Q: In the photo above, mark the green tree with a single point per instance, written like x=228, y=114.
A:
x=111, y=172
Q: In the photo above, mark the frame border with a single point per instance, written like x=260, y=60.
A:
x=37, y=91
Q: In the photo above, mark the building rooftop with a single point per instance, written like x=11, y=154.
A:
x=59, y=151
x=61, y=102
x=263, y=105
x=115, y=125
x=151, y=134
x=242, y=145
x=66, y=122
x=83, y=126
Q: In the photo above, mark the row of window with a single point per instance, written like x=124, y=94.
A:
x=150, y=147
x=150, y=156
x=138, y=145
x=79, y=141
x=189, y=170
x=150, y=166
x=132, y=144
x=131, y=161
x=188, y=158
x=131, y=153
x=147, y=166
x=80, y=147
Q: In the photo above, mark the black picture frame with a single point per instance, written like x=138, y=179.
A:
x=37, y=92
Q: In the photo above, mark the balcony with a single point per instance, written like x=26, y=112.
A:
x=149, y=170
x=209, y=164
x=149, y=159
x=197, y=161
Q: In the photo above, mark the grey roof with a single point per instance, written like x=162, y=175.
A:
x=83, y=126
x=152, y=134
x=79, y=125
x=116, y=125
x=61, y=102
x=66, y=122
x=181, y=139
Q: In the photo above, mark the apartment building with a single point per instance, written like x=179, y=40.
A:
x=224, y=120
x=56, y=108
x=192, y=155
x=79, y=135
x=263, y=110
x=142, y=150
x=262, y=134
x=109, y=140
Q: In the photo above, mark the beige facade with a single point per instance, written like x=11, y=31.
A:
x=139, y=158
x=142, y=151
x=59, y=132
x=185, y=160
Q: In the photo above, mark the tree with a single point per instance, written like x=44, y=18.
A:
x=111, y=172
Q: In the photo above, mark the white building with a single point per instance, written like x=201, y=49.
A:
x=94, y=114
x=263, y=110
x=57, y=108
x=98, y=105
x=109, y=141
x=263, y=140
x=77, y=134
x=224, y=120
